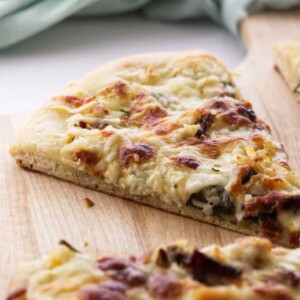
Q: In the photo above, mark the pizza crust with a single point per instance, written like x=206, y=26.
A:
x=287, y=63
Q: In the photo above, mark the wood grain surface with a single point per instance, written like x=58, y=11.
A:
x=37, y=211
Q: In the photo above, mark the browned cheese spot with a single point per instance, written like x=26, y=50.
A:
x=186, y=161
x=86, y=156
x=136, y=153
x=164, y=286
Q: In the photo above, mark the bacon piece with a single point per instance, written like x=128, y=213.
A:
x=110, y=263
x=140, y=95
x=99, y=109
x=267, y=207
x=243, y=175
x=103, y=293
x=210, y=271
x=212, y=148
x=270, y=225
x=186, y=161
x=17, y=294
x=138, y=152
x=274, y=201
x=292, y=203
x=162, y=259
x=126, y=272
x=164, y=286
x=205, y=123
x=295, y=238
x=86, y=156
x=248, y=113
x=248, y=176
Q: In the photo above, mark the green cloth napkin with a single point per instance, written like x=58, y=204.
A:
x=20, y=19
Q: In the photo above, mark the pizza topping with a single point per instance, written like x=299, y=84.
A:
x=137, y=153
x=269, y=210
x=274, y=201
x=106, y=133
x=248, y=113
x=126, y=271
x=86, y=156
x=218, y=104
x=234, y=119
x=205, y=123
x=186, y=161
x=248, y=176
x=210, y=271
x=109, y=263
x=17, y=294
x=271, y=292
x=153, y=116
x=289, y=277
x=131, y=276
x=164, y=286
x=102, y=293
x=295, y=238
x=270, y=225
x=291, y=202
x=97, y=125
x=250, y=268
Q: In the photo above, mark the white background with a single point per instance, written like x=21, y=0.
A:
x=40, y=67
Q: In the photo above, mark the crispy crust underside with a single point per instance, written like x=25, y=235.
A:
x=36, y=162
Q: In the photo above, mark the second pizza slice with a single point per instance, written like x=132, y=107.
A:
x=172, y=131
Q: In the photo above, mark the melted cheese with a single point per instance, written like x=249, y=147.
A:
x=265, y=272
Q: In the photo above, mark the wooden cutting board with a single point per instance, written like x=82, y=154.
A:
x=37, y=211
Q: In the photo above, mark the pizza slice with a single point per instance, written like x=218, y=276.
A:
x=287, y=62
x=247, y=269
x=172, y=131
